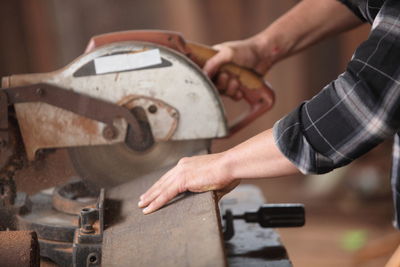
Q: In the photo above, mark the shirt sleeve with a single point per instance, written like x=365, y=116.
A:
x=355, y=112
x=354, y=8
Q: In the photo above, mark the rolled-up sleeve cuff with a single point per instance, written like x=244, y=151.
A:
x=354, y=8
x=293, y=144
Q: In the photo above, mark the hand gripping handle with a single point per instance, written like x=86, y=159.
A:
x=256, y=92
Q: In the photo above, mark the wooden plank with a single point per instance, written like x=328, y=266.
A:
x=184, y=233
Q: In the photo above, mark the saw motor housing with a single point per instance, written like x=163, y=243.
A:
x=177, y=99
x=180, y=103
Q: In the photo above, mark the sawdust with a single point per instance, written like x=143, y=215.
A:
x=53, y=170
x=19, y=248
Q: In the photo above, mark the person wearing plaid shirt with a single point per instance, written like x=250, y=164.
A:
x=358, y=110
x=345, y=120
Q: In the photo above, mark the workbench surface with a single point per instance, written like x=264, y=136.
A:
x=185, y=233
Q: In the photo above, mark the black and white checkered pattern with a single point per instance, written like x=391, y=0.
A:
x=357, y=111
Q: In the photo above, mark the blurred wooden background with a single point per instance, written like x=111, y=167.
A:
x=43, y=35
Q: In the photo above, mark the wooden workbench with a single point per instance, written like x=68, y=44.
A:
x=186, y=233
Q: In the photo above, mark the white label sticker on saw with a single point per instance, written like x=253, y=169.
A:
x=127, y=61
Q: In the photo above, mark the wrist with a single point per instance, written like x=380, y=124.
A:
x=273, y=44
x=227, y=163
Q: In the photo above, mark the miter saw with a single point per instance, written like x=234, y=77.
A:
x=132, y=105
x=139, y=98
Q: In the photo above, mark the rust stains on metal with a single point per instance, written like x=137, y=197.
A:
x=162, y=117
x=89, y=126
x=46, y=126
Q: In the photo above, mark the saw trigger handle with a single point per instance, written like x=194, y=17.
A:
x=256, y=92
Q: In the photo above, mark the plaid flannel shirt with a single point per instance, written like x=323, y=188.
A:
x=358, y=110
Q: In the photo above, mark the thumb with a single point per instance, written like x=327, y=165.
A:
x=224, y=55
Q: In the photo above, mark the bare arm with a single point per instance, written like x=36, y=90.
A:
x=305, y=24
x=258, y=157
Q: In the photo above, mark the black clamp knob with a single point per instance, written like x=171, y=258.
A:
x=267, y=216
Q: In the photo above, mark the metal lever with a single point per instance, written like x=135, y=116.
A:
x=267, y=216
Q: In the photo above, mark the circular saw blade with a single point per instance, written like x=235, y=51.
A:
x=110, y=165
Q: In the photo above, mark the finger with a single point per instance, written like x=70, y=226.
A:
x=218, y=47
x=157, y=184
x=162, y=199
x=154, y=191
x=149, y=198
x=238, y=96
x=222, y=82
x=212, y=65
x=154, y=188
x=233, y=87
x=153, y=195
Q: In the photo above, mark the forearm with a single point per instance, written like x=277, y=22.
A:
x=304, y=25
x=257, y=157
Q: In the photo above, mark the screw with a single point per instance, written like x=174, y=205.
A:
x=87, y=229
x=92, y=257
x=86, y=217
x=174, y=114
x=152, y=109
x=110, y=133
x=39, y=92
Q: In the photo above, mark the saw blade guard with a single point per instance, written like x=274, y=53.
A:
x=180, y=102
x=255, y=90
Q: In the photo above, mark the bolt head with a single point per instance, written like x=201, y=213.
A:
x=110, y=133
x=152, y=109
x=39, y=91
x=87, y=229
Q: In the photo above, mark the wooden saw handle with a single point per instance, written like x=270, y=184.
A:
x=256, y=92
